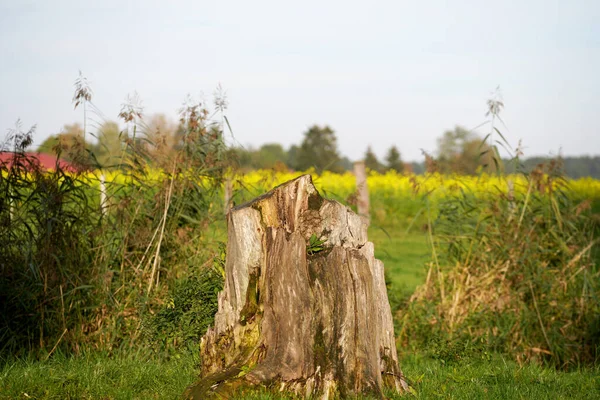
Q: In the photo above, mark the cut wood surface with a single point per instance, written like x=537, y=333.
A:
x=304, y=308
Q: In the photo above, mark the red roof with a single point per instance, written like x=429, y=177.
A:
x=45, y=161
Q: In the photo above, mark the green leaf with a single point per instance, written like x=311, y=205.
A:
x=314, y=244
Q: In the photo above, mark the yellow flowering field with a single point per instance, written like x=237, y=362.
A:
x=396, y=199
x=394, y=185
x=400, y=199
x=390, y=185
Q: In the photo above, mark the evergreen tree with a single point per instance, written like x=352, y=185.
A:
x=393, y=160
x=371, y=161
x=463, y=152
x=318, y=150
x=109, y=147
x=70, y=145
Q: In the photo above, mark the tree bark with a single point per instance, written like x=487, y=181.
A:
x=309, y=319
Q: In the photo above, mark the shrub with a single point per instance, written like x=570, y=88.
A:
x=189, y=309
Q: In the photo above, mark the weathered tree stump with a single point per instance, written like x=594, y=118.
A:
x=310, y=319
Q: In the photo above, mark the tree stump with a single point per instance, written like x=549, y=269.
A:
x=299, y=314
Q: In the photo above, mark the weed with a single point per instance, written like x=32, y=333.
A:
x=189, y=310
x=314, y=245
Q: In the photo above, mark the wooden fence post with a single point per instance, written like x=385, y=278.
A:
x=511, y=194
x=362, y=190
x=228, y=194
x=102, y=193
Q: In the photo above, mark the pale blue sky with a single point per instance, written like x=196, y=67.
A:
x=379, y=72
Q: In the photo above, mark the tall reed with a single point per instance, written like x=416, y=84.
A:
x=514, y=273
x=77, y=273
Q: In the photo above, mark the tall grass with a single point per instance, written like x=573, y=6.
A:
x=512, y=271
x=48, y=231
x=78, y=274
x=513, y=257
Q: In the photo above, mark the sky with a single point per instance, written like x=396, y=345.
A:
x=379, y=73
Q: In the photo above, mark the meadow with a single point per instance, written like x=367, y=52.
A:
x=126, y=325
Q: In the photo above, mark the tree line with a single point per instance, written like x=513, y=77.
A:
x=318, y=150
x=459, y=150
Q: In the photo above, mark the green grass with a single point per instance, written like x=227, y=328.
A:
x=495, y=377
x=137, y=376
x=404, y=256
x=140, y=376
x=97, y=376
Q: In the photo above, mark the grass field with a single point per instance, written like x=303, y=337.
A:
x=494, y=377
x=404, y=256
x=138, y=376
x=126, y=375
x=401, y=242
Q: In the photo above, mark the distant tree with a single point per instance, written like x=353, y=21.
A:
x=163, y=137
x=393, y=160
x=450, y=145
x=240, y=157
x=268, y=155
x=48, y=146
x=461, y=151
x=371, y=161
x=417, y=167
x=110, y=144
x=69, y=145
x=574, y=167
x=292, y=156
x=318, y=150
x=578, y=167
x=346, y=164
x=67, y=133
